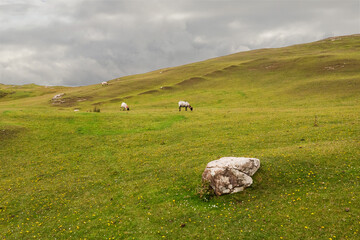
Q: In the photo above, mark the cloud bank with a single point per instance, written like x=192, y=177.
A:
x=78, y=42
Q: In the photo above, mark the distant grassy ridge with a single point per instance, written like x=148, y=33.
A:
x=324, y=69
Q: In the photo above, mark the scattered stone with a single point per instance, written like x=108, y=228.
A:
x=230, y=174
x=329, y=68
x=57, y=98
x=334, y=67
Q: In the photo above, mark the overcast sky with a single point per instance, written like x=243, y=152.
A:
x=82, y=42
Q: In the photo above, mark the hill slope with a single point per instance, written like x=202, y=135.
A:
x=137, y=174
x=326, y=70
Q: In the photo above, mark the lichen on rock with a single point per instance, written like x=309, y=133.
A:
x=230, y=174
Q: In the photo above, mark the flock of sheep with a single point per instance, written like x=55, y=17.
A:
x=182, y=104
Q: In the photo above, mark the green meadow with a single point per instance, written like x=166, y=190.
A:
x=137, y=174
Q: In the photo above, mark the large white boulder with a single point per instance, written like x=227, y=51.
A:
x=230, y=174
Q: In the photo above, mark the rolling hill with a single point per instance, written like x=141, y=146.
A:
x=325, y=70
x=137, y=174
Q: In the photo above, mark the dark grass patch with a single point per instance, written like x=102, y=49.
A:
x=97, y=103
x=268, y=66
x=256, y=61
x=272, y=66
x=166, y=88
x=9, y=132
x=16, y=94
x=216, y=73
x=323, y=56
x=3, y=94
x=342, y=64
x=191, y=81
x=71, y=101
x=259, y=64
x=232, y=68
x=149, y=92
x=115, y=100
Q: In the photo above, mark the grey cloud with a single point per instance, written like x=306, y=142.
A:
x=73, y=42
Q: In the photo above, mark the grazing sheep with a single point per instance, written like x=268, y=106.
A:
x=104, y=83
x=185, y=105
x=124, y=106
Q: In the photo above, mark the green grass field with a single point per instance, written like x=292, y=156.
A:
x=136, y=174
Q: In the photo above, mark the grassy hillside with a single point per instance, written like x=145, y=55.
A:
x=135, y=175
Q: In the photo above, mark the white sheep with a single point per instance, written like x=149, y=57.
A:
x=124, y=106
x=104, y=83
x=185, y=105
